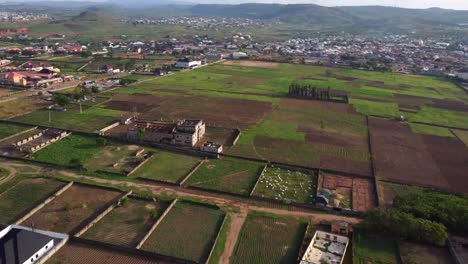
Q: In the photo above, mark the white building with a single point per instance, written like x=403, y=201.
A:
x=212, y=147
x=188, y=63
x=239, y=55
x=325, y=248
x=19, y=244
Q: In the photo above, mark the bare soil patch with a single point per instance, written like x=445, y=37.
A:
x=247, y=63
x=71, y=208
x=411, y=102
x=314, y=104
x=78, y=253
x=313, y=136
x=401, y=155
x=449, y=105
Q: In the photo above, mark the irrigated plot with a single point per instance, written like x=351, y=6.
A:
x=128, y=223
x=167, y=167
x=79, y=253
x=374, y=249
x=24, y=196
x=287, y=185
x=227, y=175
x=269, y=240
x=71, y=208
x=188, y=231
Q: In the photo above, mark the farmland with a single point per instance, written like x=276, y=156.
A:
x=78, y=253
x=227, y=175
x=374, y=249
x=120, y=159
x=66, y=212
x=284, y=184
x=31, y=191
x=265, y=239
x=167, y=167
x=128, y=223
x=406, y=157
x=420, y=253
x=188, y=231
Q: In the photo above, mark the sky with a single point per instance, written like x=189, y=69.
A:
x=449, y=4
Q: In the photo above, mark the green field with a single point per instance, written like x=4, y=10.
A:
x=73, y=147
x=188, y=231
x=115, y=159
x=287, y=185
x=227, y=175
x=7, y=130
x=431, y=130
x=91, y=119
x=462, y=135
x=31, y=191
x=128, y=223
x=167, y=167
x=269, y=240
x=374, y=249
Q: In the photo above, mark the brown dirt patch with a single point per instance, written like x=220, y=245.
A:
x=71, y=208
x=306, y=78
x=345, y=165
x=247, y=63
x=78, y=253
x=345, y=78
x=449, y=105
x=402, y=156
x=332, y=182
x=224, y=112
x=314, y=136
x=451, y=157
x=411, y=102
x=363, y=195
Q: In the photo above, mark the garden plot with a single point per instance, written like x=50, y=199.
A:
x=287, y=185
x=347, y=192
x=227, y=175
x=120, y=159
x=128, y=223
x=31, y=192
x=76, y=205
x=269, y=240
x=188, y=231
x=167, y=167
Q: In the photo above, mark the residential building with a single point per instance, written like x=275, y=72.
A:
x=188, y=63
x=325, y=248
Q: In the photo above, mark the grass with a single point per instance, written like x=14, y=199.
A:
x=30, y=192
x=188, y=231
x=167, y=166
x=128, y=223
x=73, y=147
x=115, y=159
x=440, y=117
x=374, y=249
x=384, y=109
x=227, y=175
x=4, y=172
x=286, y=185
x=430, y=130
x=7, y=130
x=271, y=240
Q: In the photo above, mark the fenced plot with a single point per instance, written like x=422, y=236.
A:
x=116, y=159
x=188, y=231
x=414, y=253
x=7, y=130
x=167, y=167
x=79, y=253
x=269, y=240
x=287, y=185
x=24, y=196
x=227, y=175
x=71, y=208
x=374, y=249
x=128, y=223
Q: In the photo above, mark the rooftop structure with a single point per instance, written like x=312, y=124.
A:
x=325, y=248
x=19, y=244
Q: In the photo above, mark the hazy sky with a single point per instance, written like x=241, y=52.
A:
x=452, y=4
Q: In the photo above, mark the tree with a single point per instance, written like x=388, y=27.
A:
x=60, y=99
x=75, y=162
x=141, y=134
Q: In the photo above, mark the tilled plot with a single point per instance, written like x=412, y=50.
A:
x=429, y=161
x=71, y=208
x=79, y=253
x=451, y=157
x=218, y=111
x=363, y=195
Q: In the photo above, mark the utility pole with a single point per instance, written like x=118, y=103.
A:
x=81, y=110
x=50, y=117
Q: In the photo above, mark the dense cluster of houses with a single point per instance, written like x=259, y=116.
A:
x=7, y=16
x=32, y=75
